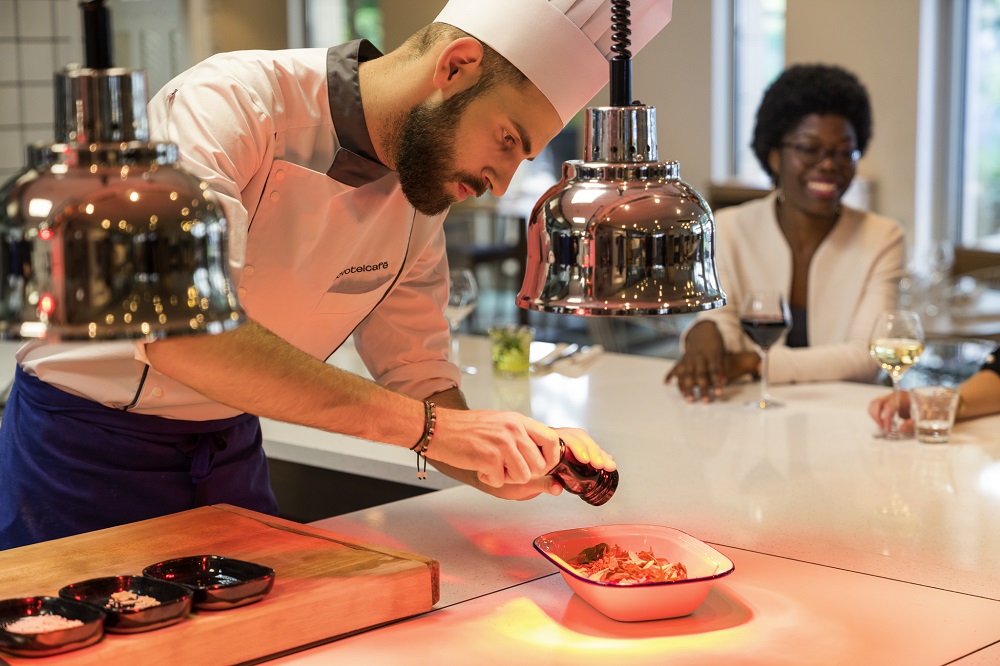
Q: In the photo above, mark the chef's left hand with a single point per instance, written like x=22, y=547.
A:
x=586, y=449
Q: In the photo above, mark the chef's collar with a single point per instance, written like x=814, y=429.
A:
x=355, y=163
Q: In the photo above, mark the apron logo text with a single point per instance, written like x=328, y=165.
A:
x=365, y=268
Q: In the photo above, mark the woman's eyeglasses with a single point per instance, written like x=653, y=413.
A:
x=813, y=155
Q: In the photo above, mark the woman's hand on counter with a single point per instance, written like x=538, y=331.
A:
x=706, y=368
x=884, y=409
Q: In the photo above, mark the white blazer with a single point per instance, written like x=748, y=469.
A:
x=853, y=276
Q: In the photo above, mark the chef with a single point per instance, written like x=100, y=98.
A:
x=335, y=169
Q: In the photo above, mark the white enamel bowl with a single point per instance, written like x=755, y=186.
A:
x=646, y=601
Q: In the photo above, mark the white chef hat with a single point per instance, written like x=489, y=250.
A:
x=562, y=46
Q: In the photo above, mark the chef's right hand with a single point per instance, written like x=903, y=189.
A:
x=502, y=448
x=584, y=449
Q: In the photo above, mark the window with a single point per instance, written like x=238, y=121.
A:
x=330, y=22
x=758, y=59
x=980, y=161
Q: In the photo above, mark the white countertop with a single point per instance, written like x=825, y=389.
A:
x=848, y=549
x=804, y=493
x=770, y=611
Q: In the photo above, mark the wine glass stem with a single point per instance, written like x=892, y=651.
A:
x=894, y=425
x=765, y=394
x=454, y=346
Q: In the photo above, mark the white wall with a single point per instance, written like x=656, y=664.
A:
x=151, y=35
x=673, y=73
x=878, y=41
x=36, y=39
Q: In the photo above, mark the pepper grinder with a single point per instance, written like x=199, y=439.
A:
x=594, y=486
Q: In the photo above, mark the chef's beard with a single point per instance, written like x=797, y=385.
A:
x=426, y=154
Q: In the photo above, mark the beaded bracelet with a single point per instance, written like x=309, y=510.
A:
x=430, y=418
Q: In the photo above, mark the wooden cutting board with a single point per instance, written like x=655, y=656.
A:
x=325, y=585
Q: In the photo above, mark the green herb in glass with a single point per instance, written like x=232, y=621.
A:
x=511, y=350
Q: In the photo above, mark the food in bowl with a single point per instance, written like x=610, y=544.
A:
x=656, y=600
x=41, y=624
x=45, y=626
x=133, y=604
x=616, y=565
x=128, y=600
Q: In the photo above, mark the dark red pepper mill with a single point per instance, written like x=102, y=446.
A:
x=594, y=486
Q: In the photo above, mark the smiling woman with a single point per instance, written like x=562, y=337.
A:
x=838, y=266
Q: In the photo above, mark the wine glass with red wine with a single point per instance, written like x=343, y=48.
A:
x=765, y=317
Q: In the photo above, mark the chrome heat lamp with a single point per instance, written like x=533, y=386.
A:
x=621, y=234
x=103, y=236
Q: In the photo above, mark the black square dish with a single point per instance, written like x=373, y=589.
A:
x=133, y=603
x=89, y=627
x=218, y=582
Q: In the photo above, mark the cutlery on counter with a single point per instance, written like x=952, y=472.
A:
x=560, y=352
x=572, y=353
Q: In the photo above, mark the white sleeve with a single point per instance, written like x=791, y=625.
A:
x=224, y=131
x=223, y=134
x=405, y=341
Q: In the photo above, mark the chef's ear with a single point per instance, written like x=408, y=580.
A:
x=458, y=66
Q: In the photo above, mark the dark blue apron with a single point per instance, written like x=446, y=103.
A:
x=70, y=465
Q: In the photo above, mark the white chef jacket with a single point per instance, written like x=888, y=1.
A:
x=322, y=242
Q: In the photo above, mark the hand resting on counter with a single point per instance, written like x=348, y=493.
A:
x=979, y=395
x=706, y=368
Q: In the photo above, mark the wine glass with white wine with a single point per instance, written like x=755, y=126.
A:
x=896, y=342
x=463, y=293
